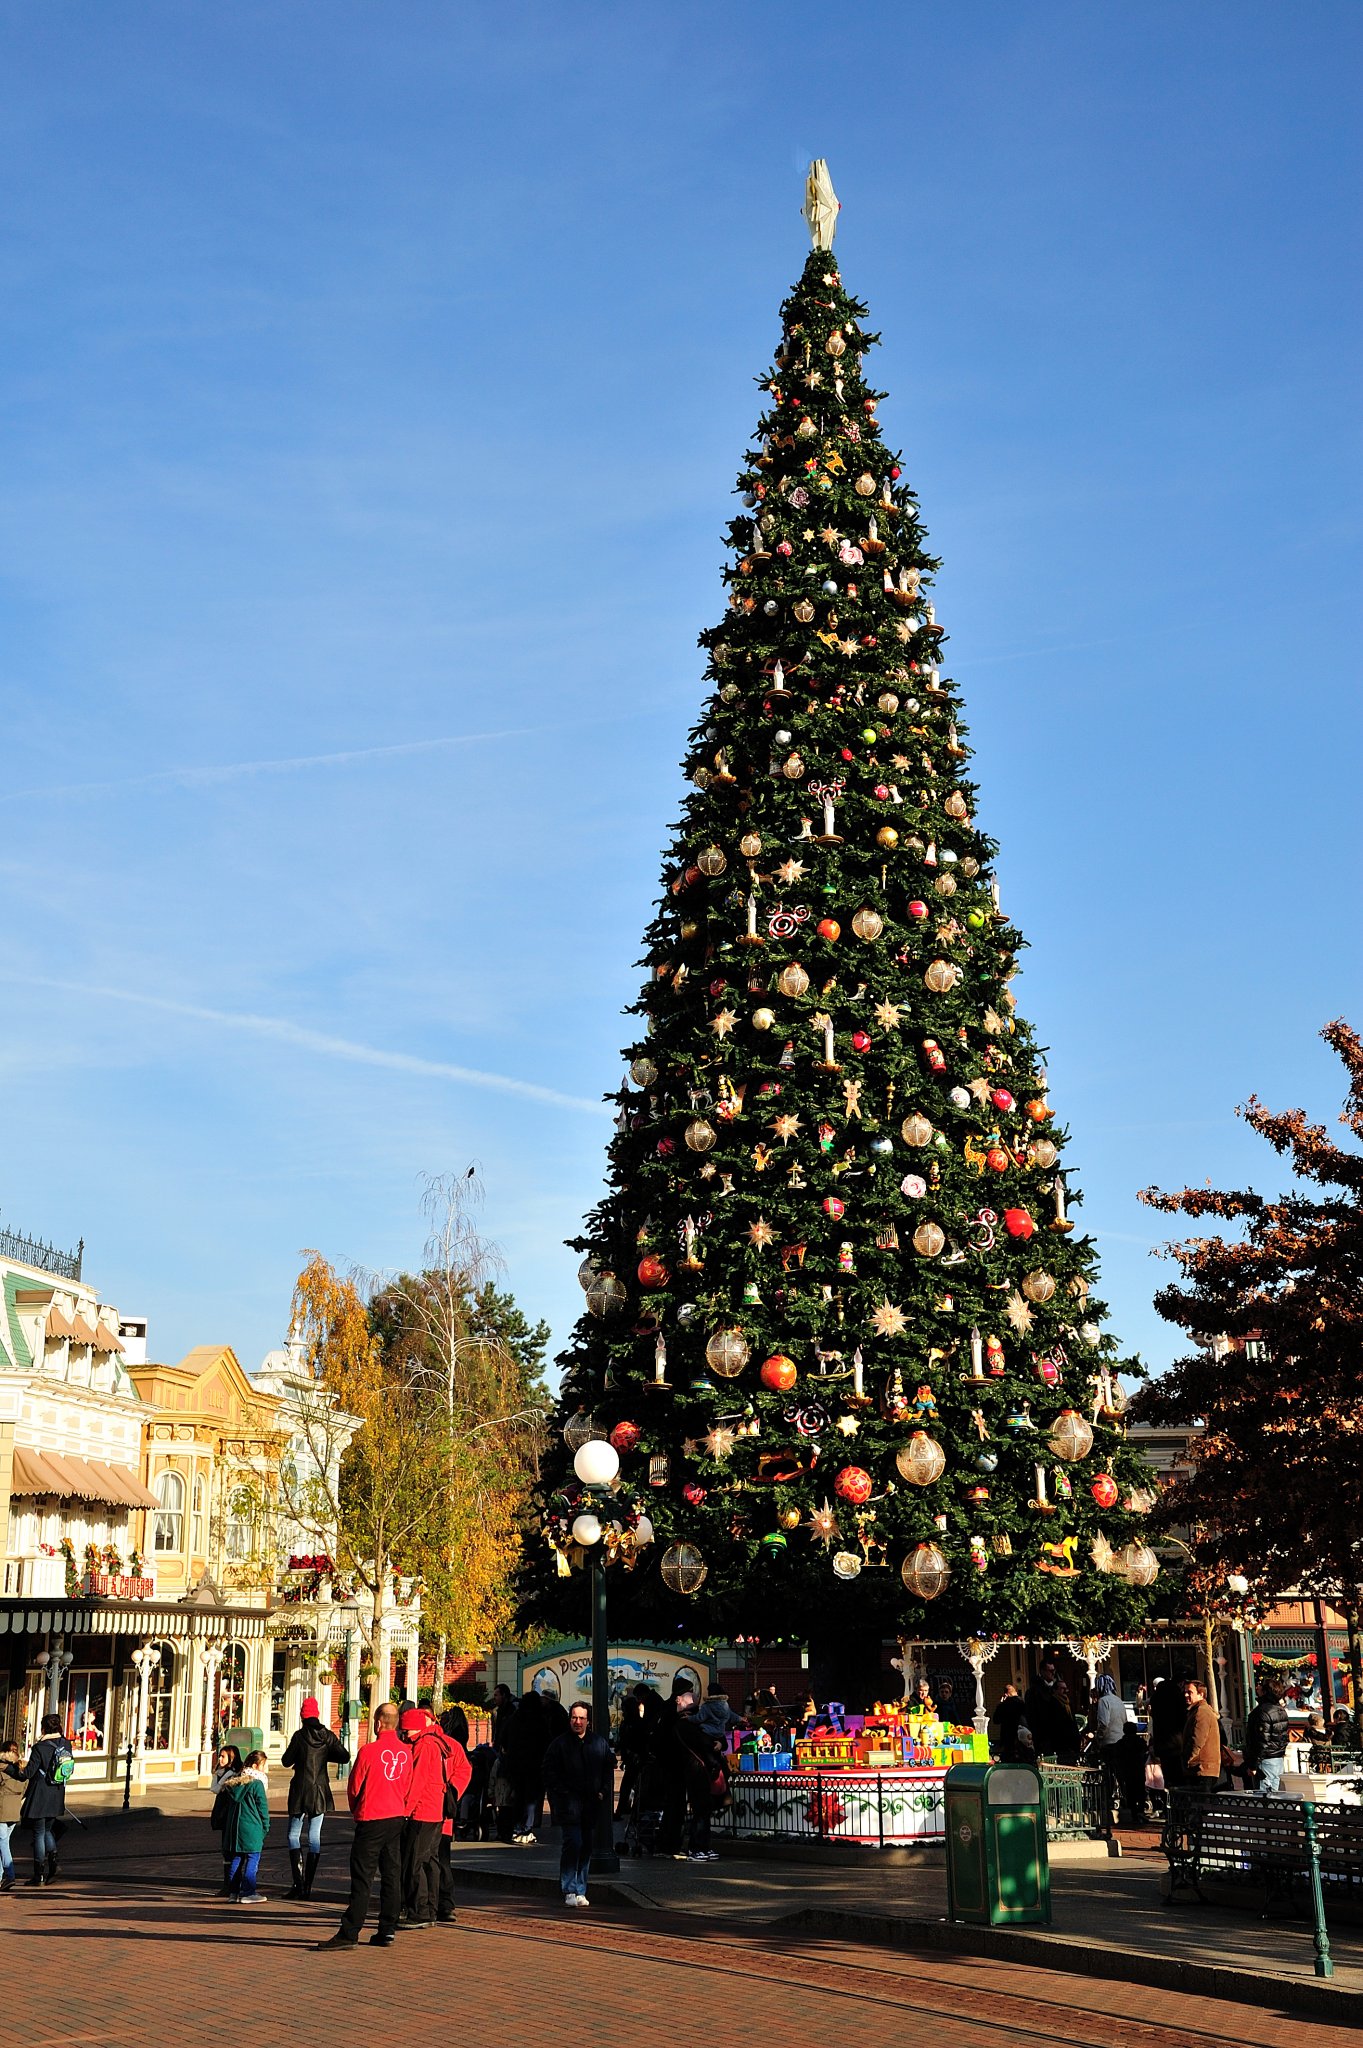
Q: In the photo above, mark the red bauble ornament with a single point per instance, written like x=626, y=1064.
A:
x=1104, y=1490
x=1018, y=1223
x=861, y=1041
x=1038, y=1111
x=779, y=1373
x=996, y=1159
x=832, y=1206
x=917, y=909
x=882, y=792
x=1001, y=1099
x=829, y=928
x=847, y=754
x=666, y=1147
x=693, y=1493
x=852, y=1484
x=625, y=1437
x=894, y=473
x=652, y=1271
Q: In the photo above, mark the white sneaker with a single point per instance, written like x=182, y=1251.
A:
x=712, y=1855
x=582, y=1900
x=698, y=1856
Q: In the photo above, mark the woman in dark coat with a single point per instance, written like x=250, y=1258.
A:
x=529, y=1735
x=47, y=1770
x=312, y=1750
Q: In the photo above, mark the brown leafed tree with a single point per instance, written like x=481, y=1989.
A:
x=1274, y=1487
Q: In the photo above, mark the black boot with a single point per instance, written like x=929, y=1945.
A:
x=39, y=1874
x=52, y=1866
x=310, y=1863
x=295, y=1890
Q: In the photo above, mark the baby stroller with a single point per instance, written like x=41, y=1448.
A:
x=644, y=1814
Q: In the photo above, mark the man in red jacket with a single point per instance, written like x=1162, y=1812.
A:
x=436, y=1767
x=378, y=1789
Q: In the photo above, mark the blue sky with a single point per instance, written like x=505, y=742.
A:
x=372, y=385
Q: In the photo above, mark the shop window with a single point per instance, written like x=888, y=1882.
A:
x=232, y=1686
x=196, y=1520
x=86, y=1717
x=170, y=1516
x=161, y=1694
x=279, y=1686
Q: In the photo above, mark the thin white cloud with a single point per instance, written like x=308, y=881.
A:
x=283, y=1032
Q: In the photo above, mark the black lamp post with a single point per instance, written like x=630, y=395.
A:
x=597, y=1465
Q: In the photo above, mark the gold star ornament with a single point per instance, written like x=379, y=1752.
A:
x=887, y=1016
x=724, y=1023
x=889, y=1320
x=761, y=1233
x=1018, y=1314
x=785, y=1127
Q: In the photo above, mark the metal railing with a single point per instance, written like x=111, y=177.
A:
x=28, y=1251
x=1078, y=1802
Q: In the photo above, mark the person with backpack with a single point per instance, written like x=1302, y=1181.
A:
x=312, y=1750
x=247, y=1824
x=11, y=1805
x=47, y=1773
x=440, y=1772
x=228, y=1764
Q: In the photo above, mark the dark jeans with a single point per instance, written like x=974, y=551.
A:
x=702, y=1806
x=575, y=1856
x=674, y=1814
x=44, y=1840
x=445, y=1907
x=420, y=1870
x=377, y=1847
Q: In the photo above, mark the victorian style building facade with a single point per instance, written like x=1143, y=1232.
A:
x=157, y=1589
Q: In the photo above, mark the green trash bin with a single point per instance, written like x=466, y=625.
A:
x=998, y=1874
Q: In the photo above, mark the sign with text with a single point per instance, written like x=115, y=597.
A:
x=118, y=1586
x=565, y=1671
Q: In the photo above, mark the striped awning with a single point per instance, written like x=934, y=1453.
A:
x=50, y=1472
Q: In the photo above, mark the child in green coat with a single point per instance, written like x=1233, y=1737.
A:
x=245, y=1826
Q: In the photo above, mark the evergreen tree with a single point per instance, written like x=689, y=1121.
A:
x=1276, y=1312
x=838, y=1321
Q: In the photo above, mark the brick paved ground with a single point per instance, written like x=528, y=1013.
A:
x=131, y=1949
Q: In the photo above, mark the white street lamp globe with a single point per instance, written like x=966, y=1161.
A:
x=1237, y=1583
x=586, y=1531
x=596, y=1464
x=643, y=1532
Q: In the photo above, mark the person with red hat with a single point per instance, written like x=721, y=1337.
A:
x=439, y=1769
x=312, y=1749
x=377, y=1789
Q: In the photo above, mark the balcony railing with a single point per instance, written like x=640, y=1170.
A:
x=35, y=1578
x=28, y=1251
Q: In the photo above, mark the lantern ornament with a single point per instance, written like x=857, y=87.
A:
x=1138, y=1563
x=854, y=1485
x=683, y=1568
x=727, y=1353
x=921, y=1459
x=1038, y=1287
x=1071, y=1435
x=582, y=1428
x=700, y=1135
x=659, y=1469
x=928, y=1240
x=925, y=1571
x=606, y=1295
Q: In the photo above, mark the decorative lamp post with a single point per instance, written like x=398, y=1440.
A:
x=212, y=1658
x=597, y=1466
x=145, y=1659
x=58, y=1665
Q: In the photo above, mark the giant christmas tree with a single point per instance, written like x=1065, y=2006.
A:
x=838, y=1322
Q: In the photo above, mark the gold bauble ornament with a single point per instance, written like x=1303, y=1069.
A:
x=690, y=928
x=916, y=1130
x=711, y=861
x=925, y=1571
x=940, y=977
x=582, y=1428
x=806, y=429
x=928, y=1240
x=763, y=1019
x=700, y=1135
x=868, y=924
x=643, y=1072
x=1071, y=1436
x=835, y=344
x=727, y=1353
x=683, y=1568
x=865, y=485
x=921, y=1459
x=1041, y=1152
x=750, y=845
x=888, y=703
x=945, y=885
x=804, y=611
x=887, y=837
x=1138, y=1563
x=789, y=1518
x=606, y=1296
x=956, y=805
x=1038, y=1287
x=792, y=980
x=793, y=767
